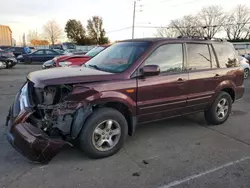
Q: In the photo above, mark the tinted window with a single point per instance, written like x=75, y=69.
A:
x=39, y=52
x=168, y=57
x=226, y=55
x=118, y=57
x=198, y=56
x=11, y=50
x=48, y=52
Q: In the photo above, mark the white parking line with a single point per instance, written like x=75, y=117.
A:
x=184, y=180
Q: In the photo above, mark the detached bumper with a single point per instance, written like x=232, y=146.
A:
x=28, y=139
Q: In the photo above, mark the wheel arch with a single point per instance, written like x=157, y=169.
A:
x=124, y=110
x=115, y=100
x=228, y=87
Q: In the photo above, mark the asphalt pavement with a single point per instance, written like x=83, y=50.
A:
x=180, y=152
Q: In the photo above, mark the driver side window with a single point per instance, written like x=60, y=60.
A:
x=39, y=52
x=168, y=57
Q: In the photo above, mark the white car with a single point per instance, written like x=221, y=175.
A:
x=245, y=64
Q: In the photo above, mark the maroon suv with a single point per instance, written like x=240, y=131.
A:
x=131, y=82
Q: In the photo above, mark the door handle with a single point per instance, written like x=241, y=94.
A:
x=217, y=75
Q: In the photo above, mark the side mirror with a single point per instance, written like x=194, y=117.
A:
x=150, y=70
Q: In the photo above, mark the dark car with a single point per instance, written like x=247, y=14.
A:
x=131, y=82
x=69, y=60
x=40, y=55
x=4, y=47
x=7, y=59
x=18, y=50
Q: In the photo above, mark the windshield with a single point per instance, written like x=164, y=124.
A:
x=96, y=50
x=118, y=57
x=69, y=46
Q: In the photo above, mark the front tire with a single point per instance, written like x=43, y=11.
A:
x=5, y=65
x=28, y=61
x=104, y=133
x=220, y=110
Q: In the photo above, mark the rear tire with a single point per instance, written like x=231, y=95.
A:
x=220, y=110
x=105, y=126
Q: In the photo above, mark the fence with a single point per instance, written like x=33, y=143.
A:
x=78, y=48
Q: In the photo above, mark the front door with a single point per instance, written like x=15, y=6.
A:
x=203, y=76
x=163, y=95
x=37, y=56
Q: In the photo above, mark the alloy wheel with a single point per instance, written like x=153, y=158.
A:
x=222, y=108
x=246, y=73
x=106, y=135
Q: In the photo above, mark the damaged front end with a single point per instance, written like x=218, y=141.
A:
x=42, y=121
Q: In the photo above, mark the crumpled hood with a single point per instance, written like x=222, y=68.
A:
x=67, y=75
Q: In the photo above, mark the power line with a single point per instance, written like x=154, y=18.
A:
x=200, y=26
x=168, y=27
x=118, y=29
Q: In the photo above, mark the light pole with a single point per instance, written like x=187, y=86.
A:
x=133, y=25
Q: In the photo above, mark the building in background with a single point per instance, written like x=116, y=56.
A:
x=5, y=35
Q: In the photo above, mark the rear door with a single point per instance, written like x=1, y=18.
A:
x=163, y=95
x=50, y=54
x=204, y=76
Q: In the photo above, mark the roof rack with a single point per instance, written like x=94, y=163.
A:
x=199, y=37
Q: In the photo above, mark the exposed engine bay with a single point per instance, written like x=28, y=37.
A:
x=54, y=115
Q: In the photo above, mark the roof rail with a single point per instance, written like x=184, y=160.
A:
x=200, y=37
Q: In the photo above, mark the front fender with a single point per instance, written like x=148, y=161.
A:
x=113, y=96
x=86, y=95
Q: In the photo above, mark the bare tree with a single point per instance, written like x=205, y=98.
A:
x=167, y=32
x=237, y=26
x=186, y=26
x=52, y=31
x=210, y=19
x=33, y=35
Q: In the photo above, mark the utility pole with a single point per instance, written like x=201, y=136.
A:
x=133, y=25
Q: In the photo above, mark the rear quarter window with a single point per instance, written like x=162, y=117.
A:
x=227, y=55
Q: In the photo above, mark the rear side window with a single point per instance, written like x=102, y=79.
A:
x=48, y=52
x=226, y=54
x=39, y=52
x=168, y=57
x=198, y=56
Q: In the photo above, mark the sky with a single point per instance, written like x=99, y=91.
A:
x=25, y=15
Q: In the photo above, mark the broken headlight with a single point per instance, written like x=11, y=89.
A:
x=24, y=97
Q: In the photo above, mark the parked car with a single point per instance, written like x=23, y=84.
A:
x=7, y=59
x=69, y=60
x=40, y=55
x=131, y=82
x=245, y=64
x=4, y=47
x=71, y=47
x=247, y=56
x=17, y=50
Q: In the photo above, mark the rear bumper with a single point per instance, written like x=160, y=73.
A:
x=239, y=92
x=27, y=138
